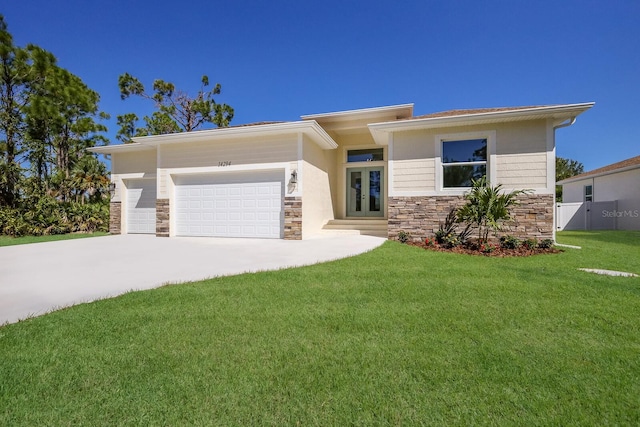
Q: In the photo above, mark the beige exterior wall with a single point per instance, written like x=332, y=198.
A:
x=317, y=203
x=223, y=156
x=518, y=159
x=132, y=165
x=134, y=162
x=352, y=141
x=234, y=152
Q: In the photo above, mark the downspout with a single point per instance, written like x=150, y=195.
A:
x=564, y=124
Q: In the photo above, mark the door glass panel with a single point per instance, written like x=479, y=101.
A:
x=374, y=190
x=356, y=191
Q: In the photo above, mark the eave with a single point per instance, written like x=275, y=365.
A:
x=311, y=129
x=558, y=113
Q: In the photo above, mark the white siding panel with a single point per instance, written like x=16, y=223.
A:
x=414, y=175
x=522, y=170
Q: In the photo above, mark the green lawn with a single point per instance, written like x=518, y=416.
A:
x=9, y=241
x=397, y=336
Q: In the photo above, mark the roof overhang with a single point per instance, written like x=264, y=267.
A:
x=558, y=113
x=357, y=120
x=589, y=175
x=311, y=129
x=120, y=148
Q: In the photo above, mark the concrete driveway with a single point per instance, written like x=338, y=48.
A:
x=42, y=277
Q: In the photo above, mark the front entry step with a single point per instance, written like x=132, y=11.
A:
x=368, y=227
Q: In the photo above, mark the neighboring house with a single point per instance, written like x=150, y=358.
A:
x=604, y=198
x=377, y=170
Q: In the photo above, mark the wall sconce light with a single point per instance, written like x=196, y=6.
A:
x=294, y=177
x=112, y=188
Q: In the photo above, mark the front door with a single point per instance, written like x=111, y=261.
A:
x=365, y=188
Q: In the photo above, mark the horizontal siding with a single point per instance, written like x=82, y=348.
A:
x=414, y=175
x=235, y=152
x=522, y=170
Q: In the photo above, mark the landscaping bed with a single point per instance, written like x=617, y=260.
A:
x=487, y=249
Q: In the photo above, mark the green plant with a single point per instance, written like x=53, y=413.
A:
x=509, y=242
x=447, y=232
x=530, y=243
x=545, y=244
x=487, y=207
x=403, y=236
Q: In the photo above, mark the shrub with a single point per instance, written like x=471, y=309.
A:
x=487, y=207
x=509, y=242
x=545, y=244
x=530, y=243
x=403, y=236
x=447, y=235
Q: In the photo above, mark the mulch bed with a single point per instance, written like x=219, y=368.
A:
x=497, y=251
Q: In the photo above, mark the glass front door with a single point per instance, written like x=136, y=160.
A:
x=365, y=191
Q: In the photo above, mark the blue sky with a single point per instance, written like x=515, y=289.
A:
x=278, y=60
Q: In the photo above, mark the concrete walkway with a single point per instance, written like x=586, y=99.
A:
x=42, y=277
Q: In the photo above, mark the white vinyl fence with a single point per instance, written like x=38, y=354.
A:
x=613, y=215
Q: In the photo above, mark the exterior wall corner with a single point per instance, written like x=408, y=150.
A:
x=162, y=218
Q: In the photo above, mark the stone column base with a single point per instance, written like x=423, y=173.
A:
x=162, y=218
x=293, y=218
x=115, y=218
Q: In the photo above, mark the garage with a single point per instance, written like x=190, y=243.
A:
x=243, y=204
x=141, y=206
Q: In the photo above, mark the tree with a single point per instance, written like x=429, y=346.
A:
x=48, y=117
x=13, y=75
x=177, y=111
x=487, y=207
x=566, y=168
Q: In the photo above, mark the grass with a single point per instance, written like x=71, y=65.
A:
x=397, y=336
x=10, y=241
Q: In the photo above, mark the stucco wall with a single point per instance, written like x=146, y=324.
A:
x=574, y=192
x=317, y=206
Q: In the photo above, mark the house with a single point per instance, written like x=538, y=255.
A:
x=375, y=170
x=604, y=198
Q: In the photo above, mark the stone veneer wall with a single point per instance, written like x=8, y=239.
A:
x=115, y=218
x=162, y=217
x=421, y=216
x=293, y=218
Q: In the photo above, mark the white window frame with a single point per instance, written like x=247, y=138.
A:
x=490, y=136
x=588, y=197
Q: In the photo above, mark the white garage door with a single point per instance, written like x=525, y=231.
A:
x=141, y=206
x=248, y=204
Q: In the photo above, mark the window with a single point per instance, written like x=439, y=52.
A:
x=462, y=161
x=588, y=193
x=370, y=155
